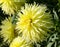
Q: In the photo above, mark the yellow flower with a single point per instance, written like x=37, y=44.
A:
x=19, y=42
x=10, y=6
x=34, y=22
x=7, y=30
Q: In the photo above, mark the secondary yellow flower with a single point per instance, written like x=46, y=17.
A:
x=10, y=6
x=19, y=42
x=34, y=22
x=7, y=30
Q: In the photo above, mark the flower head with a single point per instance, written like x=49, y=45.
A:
x=34, y=22
x=10, y=6
x=19, y=42
x=7, y=30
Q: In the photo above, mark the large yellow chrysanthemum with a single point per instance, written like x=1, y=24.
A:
x=34, y=22
x=19, y=42
x=10, y=6
x=7, y=30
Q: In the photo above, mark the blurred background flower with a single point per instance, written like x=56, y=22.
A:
x=20, y=42
x=7, y=30
x=10, y=6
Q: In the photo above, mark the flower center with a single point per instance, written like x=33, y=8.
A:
x=30, y=20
